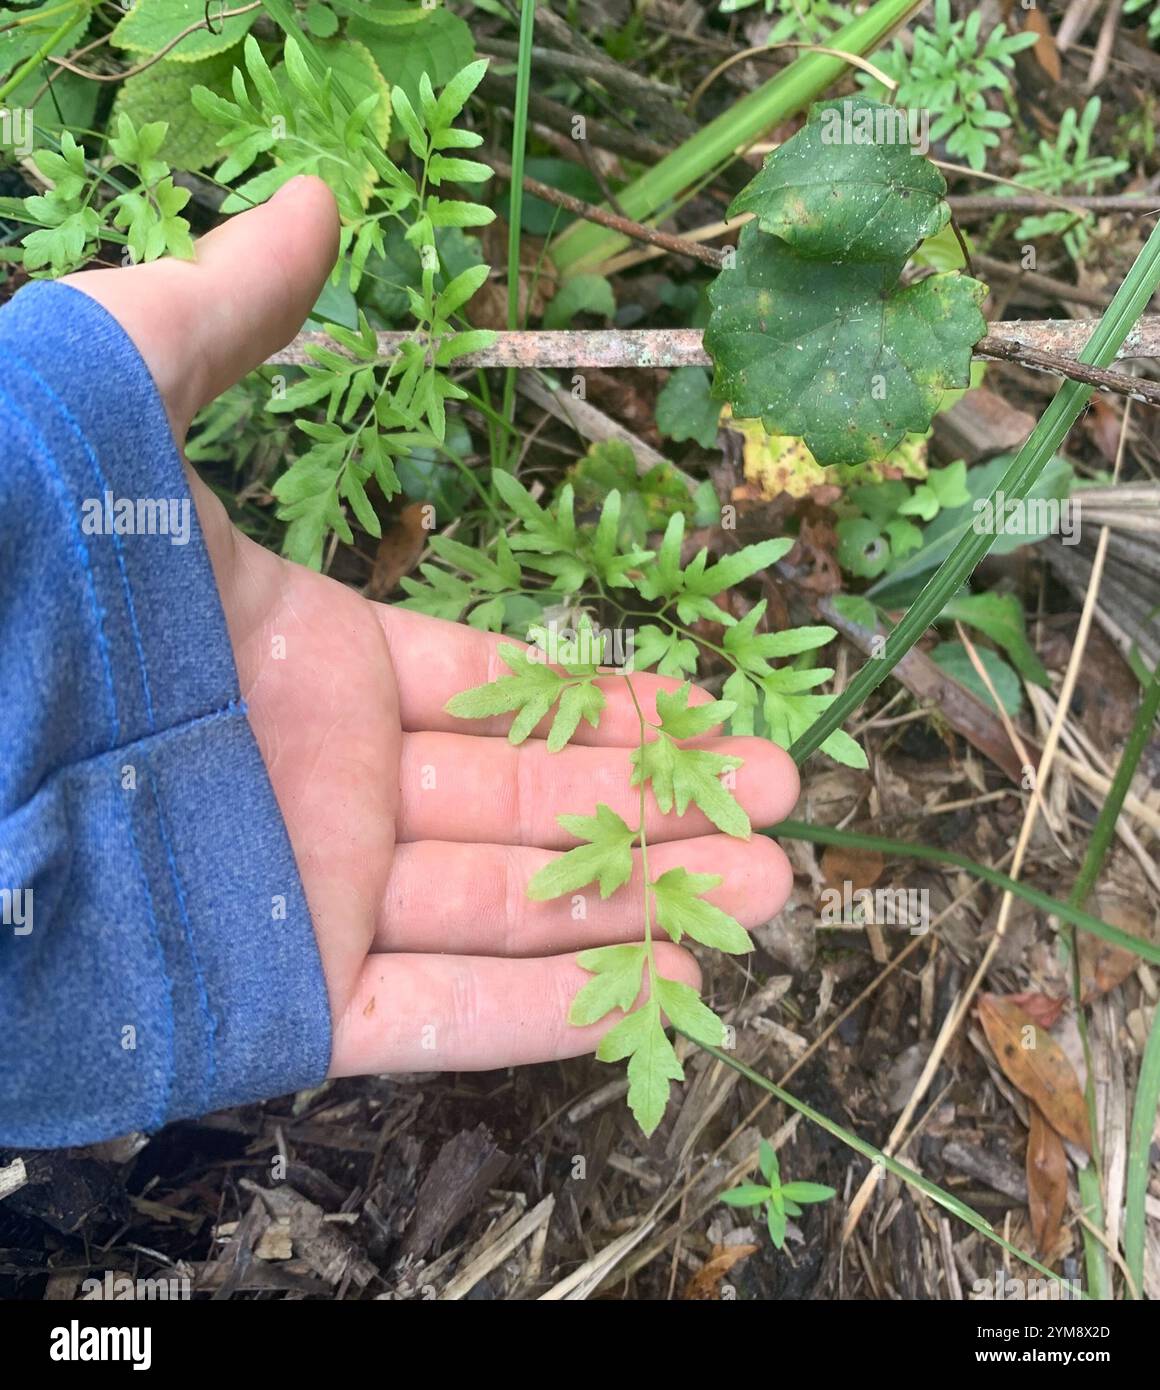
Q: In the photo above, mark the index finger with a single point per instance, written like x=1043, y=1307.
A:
x=435, y=659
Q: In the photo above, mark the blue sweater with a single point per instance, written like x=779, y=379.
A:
x=157, y=958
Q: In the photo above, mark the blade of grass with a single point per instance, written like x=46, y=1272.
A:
x=585, y=246
x=1139, y=1149
x=516, y=204
x=1148, y=1084
x=1105, y=827
x=891, y=1165
x=1126, y=307
x=1089, y=1178
x=903, y=849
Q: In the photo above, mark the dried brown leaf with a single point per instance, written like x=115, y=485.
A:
x=1046, y=53
x=399, y=550
x=1103, y=966
x=706, y=1283
x=1035, y=1064
x=1046, y=1182
x=860, y=868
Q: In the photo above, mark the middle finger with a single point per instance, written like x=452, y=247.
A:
x=482, y=906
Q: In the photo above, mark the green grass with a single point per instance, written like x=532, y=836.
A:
x=1148, y=1084
x=1068, y=912
x=515, y=209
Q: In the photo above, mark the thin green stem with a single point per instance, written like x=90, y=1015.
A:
x=516, y=204
x=482, y=402
x=643, y=837
x=39, y=56
x=1105, y=826
x=470, y=476
x=1148, y=1085
x=903, y=849
x=1139, y=1151
x=38, y=16
x=1091, y=1202
x=1090, y=1178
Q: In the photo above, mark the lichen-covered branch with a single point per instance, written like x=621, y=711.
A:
x=1045, y=344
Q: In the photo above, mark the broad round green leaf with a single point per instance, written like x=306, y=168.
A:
x=151, y=24
x=839, y=354
x=161, y=93
x=849, y=186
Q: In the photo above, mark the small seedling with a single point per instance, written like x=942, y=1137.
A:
x=674, y=901
x=781, y=1200
x=817, y=20
x=1067, y=166
x=949, y=72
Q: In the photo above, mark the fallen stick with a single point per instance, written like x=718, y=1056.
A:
x=993, y=205
x=1044, y=344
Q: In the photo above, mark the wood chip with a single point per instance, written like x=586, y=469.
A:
x=12, y=1178
x=325, y=1248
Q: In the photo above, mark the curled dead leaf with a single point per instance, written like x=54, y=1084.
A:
x=1035, y=1064
x=1046, y=1182
x=1045, y=50
x=706, y=1283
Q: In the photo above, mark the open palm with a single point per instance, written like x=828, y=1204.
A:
x=415, y=833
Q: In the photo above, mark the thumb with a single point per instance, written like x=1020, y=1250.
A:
x=201, y=325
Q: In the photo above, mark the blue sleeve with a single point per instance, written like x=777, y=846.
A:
x=157, y=958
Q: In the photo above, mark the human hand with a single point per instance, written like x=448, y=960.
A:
x=415, y=833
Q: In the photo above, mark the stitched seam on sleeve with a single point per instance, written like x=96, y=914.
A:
x=81, y=550
x=208, y=1019
x=102, y=483
x=234, y=709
